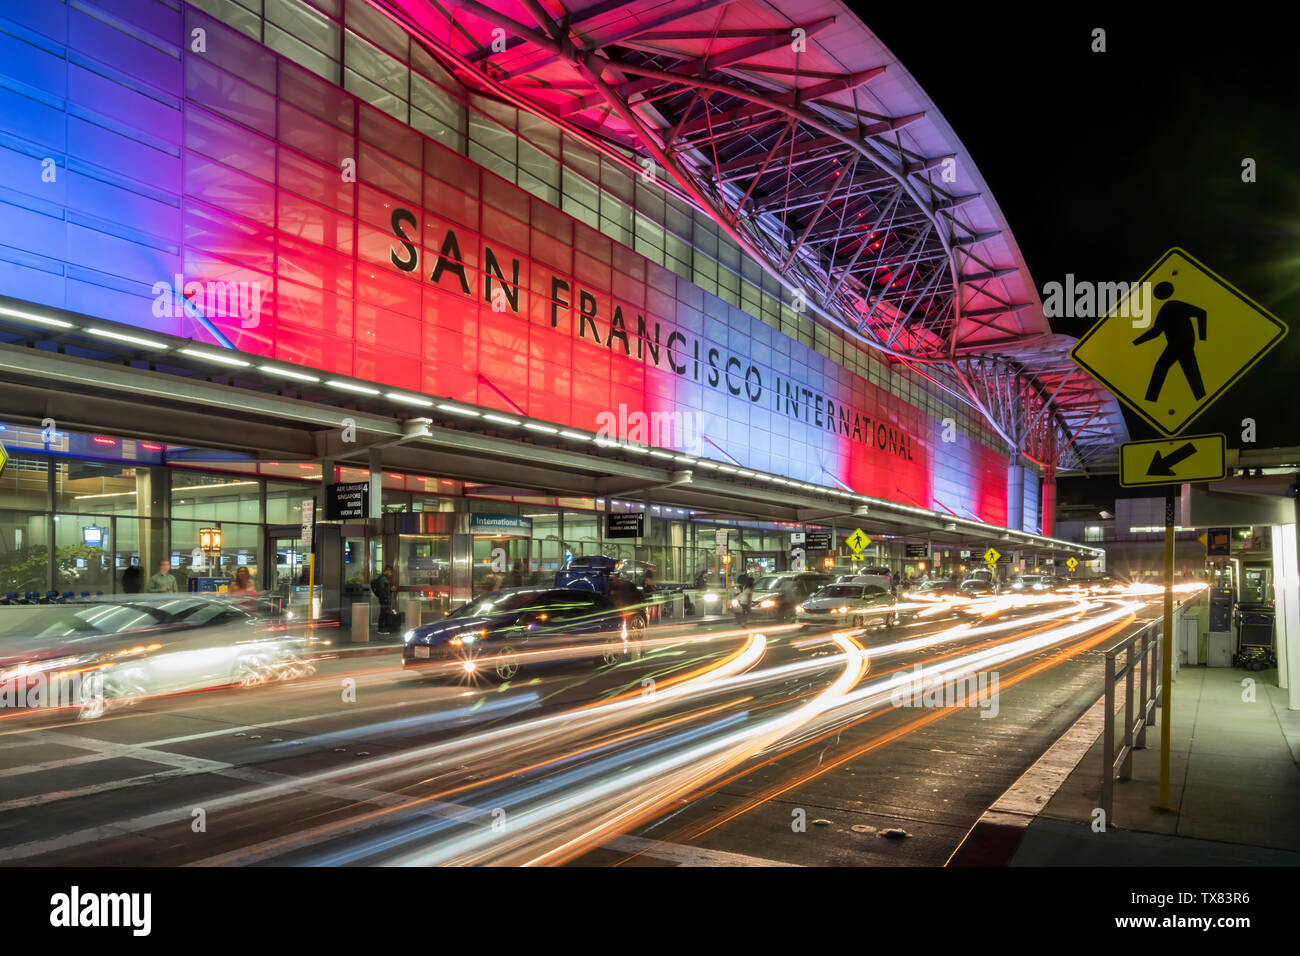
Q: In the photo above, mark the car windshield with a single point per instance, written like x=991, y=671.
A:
x=934, y=586
x=496, y=603
x=840, y=591
x=88, y=619
x=767, y=584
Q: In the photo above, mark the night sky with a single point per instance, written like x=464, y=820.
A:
x=1103, y=161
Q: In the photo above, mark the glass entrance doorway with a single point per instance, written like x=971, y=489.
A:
x=500, y=561
x=286, y=559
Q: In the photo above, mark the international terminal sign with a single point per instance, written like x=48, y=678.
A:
x=654, y=342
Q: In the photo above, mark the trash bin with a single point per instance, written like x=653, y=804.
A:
x=353, y=594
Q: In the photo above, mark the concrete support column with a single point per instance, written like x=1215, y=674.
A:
x=153, y=506
x=376, y=485
x=1016, y=493
x=1286, y=621
x=1048, y=495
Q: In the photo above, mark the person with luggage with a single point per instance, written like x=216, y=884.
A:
x=382, y=586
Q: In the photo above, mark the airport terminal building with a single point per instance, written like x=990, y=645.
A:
x=454, y=288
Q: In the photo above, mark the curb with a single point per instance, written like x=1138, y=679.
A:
x=996, y=836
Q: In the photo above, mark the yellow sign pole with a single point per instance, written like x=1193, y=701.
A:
x=1167, y=655
x=311, y=589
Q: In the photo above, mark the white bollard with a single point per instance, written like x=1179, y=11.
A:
x=361, y=623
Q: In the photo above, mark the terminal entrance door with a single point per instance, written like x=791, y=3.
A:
x=286, y=558
x=500, y=560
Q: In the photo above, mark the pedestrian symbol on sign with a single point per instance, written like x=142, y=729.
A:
x=1212, y=332
x=858, y=542
x=1175, y=322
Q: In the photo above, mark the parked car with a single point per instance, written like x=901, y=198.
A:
x=776, y=595
x=977, y=588
x=503, y=625
x=1032, y=582
x=885, y=581
x=849, y=605
x=109, y=652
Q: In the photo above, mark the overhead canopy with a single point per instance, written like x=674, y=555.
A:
x=799, y=133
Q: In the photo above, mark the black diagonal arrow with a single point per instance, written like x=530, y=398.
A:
x=1164, y=464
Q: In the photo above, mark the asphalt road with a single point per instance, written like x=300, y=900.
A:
x=719, y=745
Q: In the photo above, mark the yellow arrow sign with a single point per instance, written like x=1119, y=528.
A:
x=1072, y=564
x=1181, y=338
x=1170, y=461
x=991, y=556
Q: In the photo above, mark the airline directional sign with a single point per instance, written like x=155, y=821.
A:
x=1172, y=461
x=1172, y=365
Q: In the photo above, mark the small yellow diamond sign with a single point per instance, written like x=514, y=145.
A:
x=1072, y=564
x=991, y=556
x=4, y=459
x=1181, y=338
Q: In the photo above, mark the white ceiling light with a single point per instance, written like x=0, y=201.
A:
x=132, y=339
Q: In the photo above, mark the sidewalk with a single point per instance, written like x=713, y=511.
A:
x=1234, y=786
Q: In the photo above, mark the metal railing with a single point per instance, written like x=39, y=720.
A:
x=1142, y=652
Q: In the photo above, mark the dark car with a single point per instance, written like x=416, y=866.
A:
x=499, y=632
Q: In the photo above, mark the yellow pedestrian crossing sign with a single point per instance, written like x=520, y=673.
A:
x=1172, y=461
x=858, y=542
x=991, y=557
x=1072, y=564
x=1180, y=338
x=4, y=459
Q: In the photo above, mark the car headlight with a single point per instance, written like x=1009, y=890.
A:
x=767, y=602
x=408, y=636
x=735, y=602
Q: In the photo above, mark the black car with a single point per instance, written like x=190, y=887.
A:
x=500, y=632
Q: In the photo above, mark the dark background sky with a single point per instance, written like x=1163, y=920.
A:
x=1102, y=161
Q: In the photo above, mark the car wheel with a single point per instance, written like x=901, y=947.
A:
x=859, y=621
x=250, y=672
x=507, y=665
x=635, y=635
x=613, y=652
x=90, y=705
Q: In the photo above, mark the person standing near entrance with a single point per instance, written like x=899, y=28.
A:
x=243, y=583
x=383, y=588
x=163, y=582
x=132, y=578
